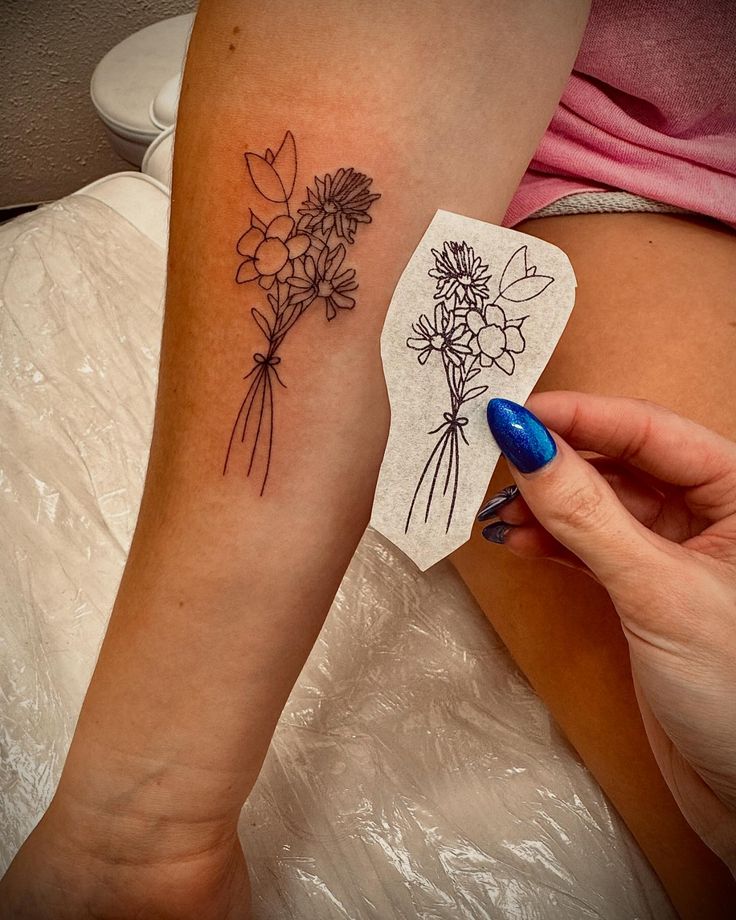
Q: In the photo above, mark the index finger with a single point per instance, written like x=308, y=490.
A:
x=674, y=449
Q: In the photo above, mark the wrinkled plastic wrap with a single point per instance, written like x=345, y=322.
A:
x=414, y=774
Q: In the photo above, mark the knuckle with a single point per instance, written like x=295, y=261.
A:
x=580, y=508
x=648, y=404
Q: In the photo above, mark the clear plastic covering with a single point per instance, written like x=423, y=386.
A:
x=414, y=773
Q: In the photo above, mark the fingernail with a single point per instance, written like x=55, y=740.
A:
x=521, y=436
x=496, y=533
x=498, y=501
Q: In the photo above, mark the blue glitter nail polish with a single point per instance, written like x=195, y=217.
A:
x=521, y=436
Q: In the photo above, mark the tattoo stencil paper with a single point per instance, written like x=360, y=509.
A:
x=292, y=262
x=476, y=314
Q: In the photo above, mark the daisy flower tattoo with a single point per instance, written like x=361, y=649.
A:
x=338, y=204
x=322, y=279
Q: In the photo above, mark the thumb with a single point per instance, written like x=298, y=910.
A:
x=570, y=499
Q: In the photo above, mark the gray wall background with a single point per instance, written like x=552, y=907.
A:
x=51, y=141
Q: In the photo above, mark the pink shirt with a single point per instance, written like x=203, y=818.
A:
x=650, y=108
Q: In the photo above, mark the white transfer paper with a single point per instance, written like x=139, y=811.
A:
x=476, y=314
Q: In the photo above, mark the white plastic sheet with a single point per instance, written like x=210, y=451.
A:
x=414, y=774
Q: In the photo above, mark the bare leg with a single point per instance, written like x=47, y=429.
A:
x=654, y=318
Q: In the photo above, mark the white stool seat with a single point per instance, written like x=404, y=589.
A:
x=143, y=68
x=166, y=103
x=159, y=157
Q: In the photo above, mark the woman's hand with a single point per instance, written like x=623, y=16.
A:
x=652, y=516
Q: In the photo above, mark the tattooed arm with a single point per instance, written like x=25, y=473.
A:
x=271, y=414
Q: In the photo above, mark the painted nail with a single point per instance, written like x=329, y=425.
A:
x=496, y=533
x=498, y=501
x=521, y=436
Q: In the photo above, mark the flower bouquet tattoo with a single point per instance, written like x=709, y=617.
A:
x=294, y=262
x=469, y=332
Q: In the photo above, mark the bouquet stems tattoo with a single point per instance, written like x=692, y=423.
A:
x=470, y=333
x=294, y=262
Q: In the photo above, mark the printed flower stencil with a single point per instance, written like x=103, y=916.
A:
x=442, y=336
x=472, y=334
x=494, y=338
x=270, y=251
x=461, y=275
